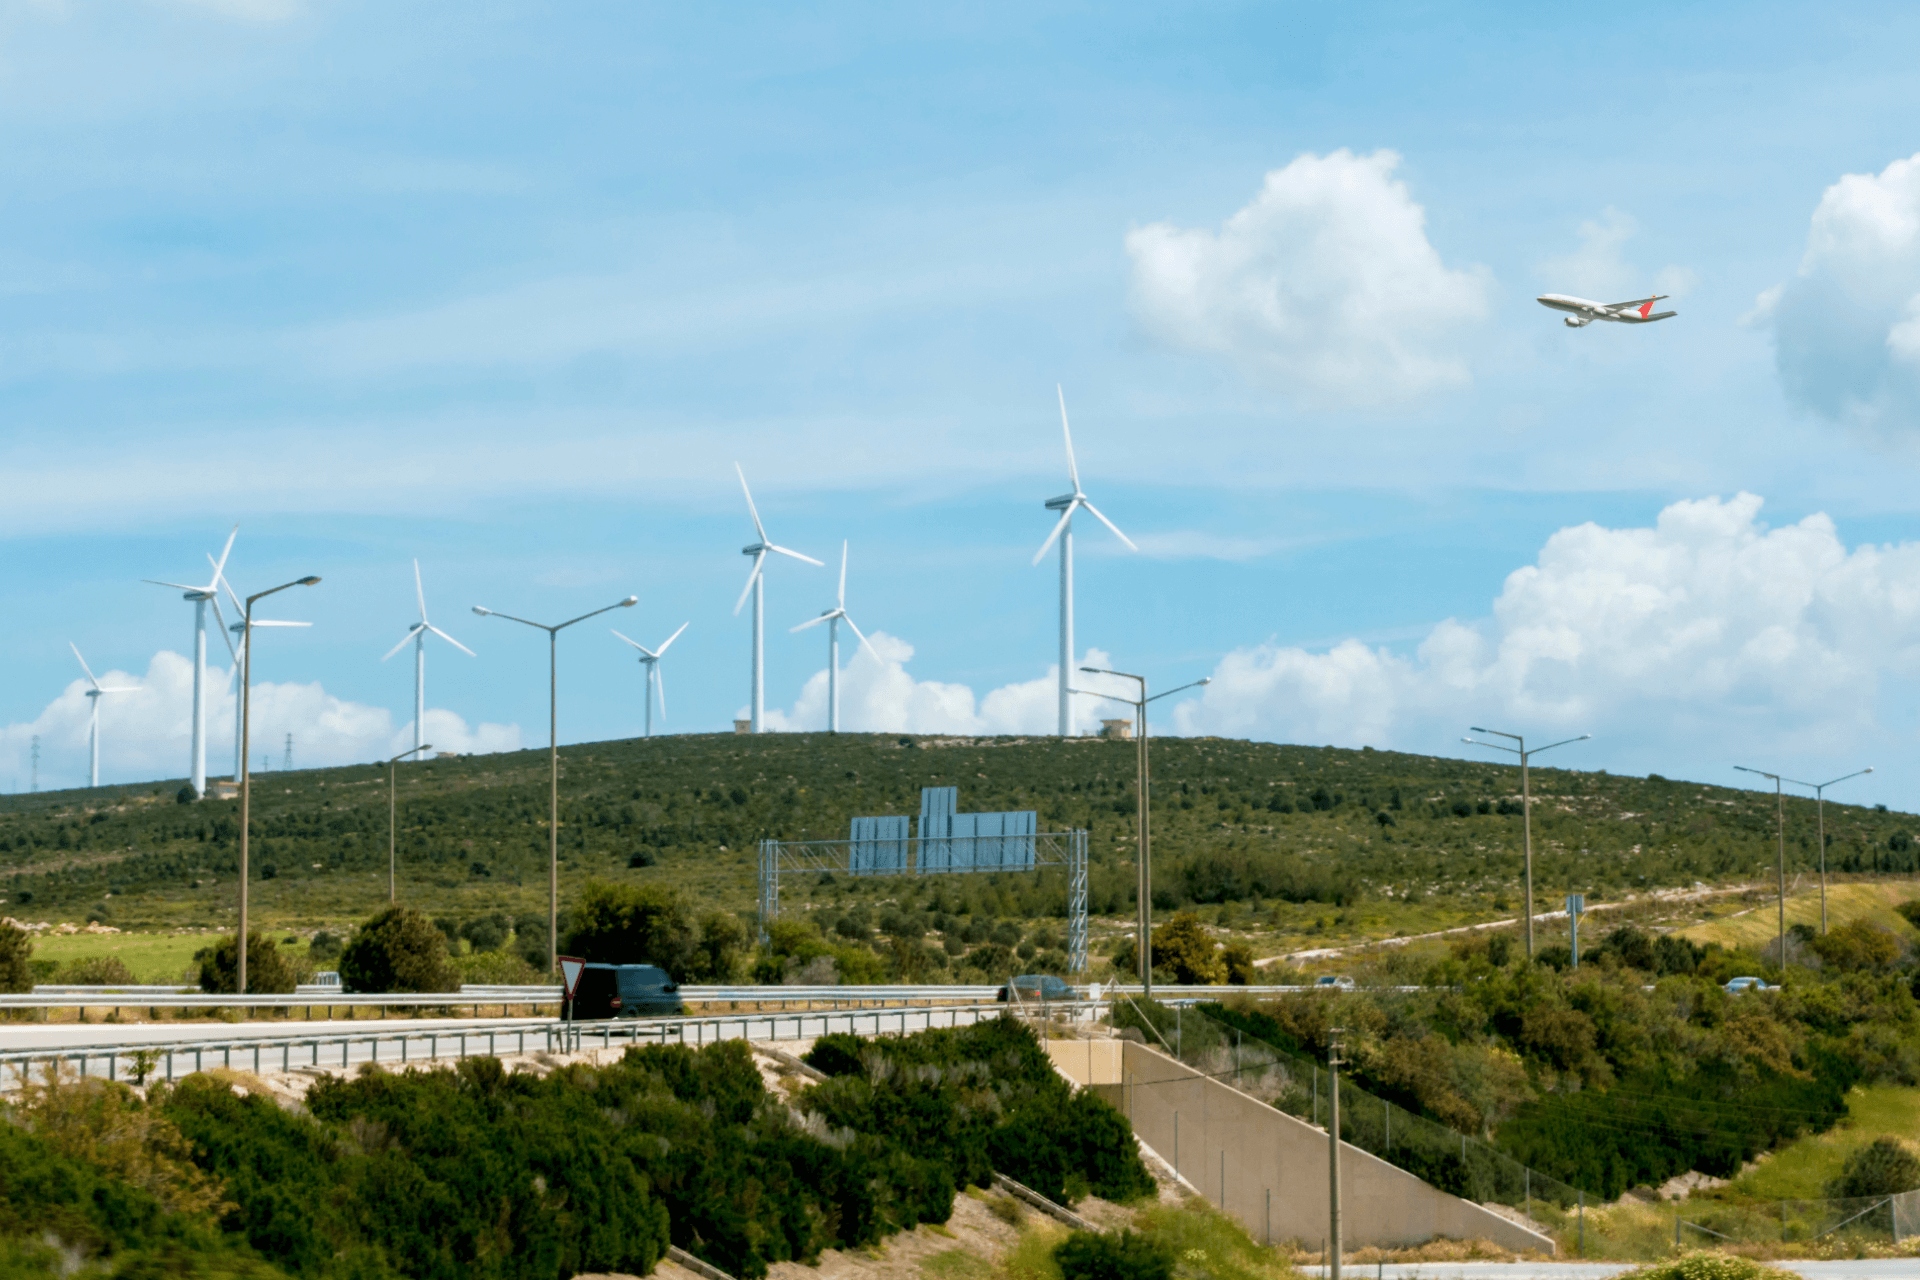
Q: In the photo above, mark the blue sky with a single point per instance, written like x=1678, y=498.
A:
x=509, y=288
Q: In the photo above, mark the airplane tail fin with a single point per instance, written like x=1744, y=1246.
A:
x=1648, y=305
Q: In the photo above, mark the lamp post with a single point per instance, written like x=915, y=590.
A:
x=393, y=806
x=1144, y=892
x=553, y=758
x=1780, y=829
x=1820, y=810
x=246, y=776
x=1526, y=804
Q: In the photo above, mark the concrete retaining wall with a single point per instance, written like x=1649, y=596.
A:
x=1267, y=1168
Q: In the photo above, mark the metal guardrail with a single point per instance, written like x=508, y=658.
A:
x=162, y=1058
x=120, y=998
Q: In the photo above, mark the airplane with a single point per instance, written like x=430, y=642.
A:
x=1585, y=313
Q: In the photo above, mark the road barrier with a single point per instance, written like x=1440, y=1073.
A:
x=403, y=1045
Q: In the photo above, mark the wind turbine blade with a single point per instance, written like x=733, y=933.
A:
x=1047, y=546
x=759, y=558
x=1110, y=524
x=220, y=621
x=630, y=640
x=83, y=664
x=1073, y=470
x=269, y=622
x=811, y=623
x=419, y=592
x=843, y=573
x=751, y=509
x=239, y=608
x=795, y=554
x=863, y=640
x=450, y=640
x=411, y=633
x=178, y=586
x=220, y=565
x=670, y=639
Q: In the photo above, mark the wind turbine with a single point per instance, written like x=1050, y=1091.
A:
x=833, y=617
x=756, y=582
x=1066, y=505
x=201, y=597
x=656, y=684
x=418, y=634
x=239, y=652
x=93, y=717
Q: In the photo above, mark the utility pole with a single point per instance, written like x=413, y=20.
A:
x=287, y=764
x=1780, y=828
x=1820, y=811
x=1333, y=1154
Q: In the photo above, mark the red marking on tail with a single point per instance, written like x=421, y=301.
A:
x=1648, y=307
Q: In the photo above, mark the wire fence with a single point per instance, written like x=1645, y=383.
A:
x=1476, y=1170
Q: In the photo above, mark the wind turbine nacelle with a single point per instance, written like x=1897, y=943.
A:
x=1577, y=322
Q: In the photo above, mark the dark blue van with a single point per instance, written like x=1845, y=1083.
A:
x=625, y=991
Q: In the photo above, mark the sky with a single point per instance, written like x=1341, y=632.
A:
x=510, y=289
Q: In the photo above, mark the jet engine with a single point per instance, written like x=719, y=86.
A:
x=1577, y=322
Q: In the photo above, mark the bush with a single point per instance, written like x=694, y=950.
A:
x=1121, y=1255
x=1883, y=1167
x=1858, y=946
x=324, y=947
x=1185, y=947
x=268, y=972
x=107, y=971
x=398, y=950
x=1708, y=1266
x=632, y=924
x=16, y=955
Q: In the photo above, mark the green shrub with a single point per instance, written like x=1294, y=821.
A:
x=16, y=954
x=324, y=946
x=398, y=950
x=651, y=924
x=1884, y=1167
x=1119, y=1255
x=1708, y=1266
x=105, y=971
x=268, y=972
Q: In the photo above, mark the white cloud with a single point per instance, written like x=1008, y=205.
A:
x=879, y=695
x=1846, y=326
x=1599, y=268
x=1708, y=628
x=1325, y=285
x=147, y=732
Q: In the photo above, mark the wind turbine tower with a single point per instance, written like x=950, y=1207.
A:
x=1066, y=504
x=94, y=695
x=418, y=634
x=656, y=684
x=201, y=598
x=756, y=582
x=833, y=617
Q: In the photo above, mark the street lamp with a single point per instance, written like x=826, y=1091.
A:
x=1780, y=823
x=1144, y=837
x=1820, y=809
x=1526, y=803
x=246, y=784
x=392, y=810
x=553, y=757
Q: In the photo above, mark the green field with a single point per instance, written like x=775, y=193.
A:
x=1802, y=1169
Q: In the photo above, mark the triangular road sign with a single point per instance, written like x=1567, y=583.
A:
x=571, y=967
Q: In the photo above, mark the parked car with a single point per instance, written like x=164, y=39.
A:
x=1737, y=985
x=625, y=991
x=1335, y=982
x=1038, y=986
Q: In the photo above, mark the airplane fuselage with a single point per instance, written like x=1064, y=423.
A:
x=1584, y=311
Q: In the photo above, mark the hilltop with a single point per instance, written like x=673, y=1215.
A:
x=1311, y=839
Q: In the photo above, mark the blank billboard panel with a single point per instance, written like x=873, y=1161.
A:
x=878, y=846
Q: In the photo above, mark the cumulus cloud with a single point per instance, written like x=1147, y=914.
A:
x=147, y=731
x=1709, y=627
x=879, y=695
x=1846, y=326
x=1325, y=285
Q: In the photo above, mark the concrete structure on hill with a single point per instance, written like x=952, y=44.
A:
x=1267, y=1168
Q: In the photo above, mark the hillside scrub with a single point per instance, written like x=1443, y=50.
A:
x=1234, y=822
x=1615, y=1075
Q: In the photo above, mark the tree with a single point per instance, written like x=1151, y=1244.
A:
x=633, y=924
x=268, y=972
x=1858, y=945
x=398, y=950
x=1119, y=1255
x=16, y=950
x=1185, y=948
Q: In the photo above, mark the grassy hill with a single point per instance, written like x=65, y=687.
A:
x=1309, y=841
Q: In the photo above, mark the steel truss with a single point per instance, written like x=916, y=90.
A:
x=1049, y=849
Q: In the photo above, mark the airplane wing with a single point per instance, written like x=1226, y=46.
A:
x=1642, y=305
x=1631, y=318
